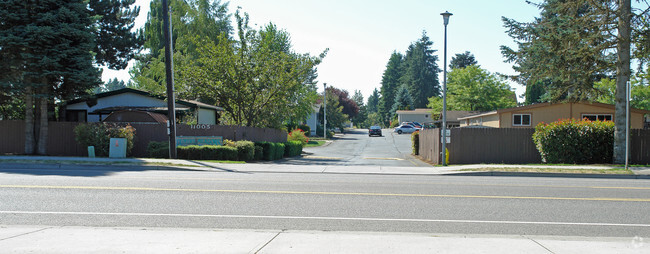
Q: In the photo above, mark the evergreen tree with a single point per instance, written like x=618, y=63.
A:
x=360, y=119
x=403, y=101
x=114, y=40
x=390, y=81
x=567, y=47
x=421, y=71
x=536, y=92
x=571, y=45
x=373, y=102
x=462, y=60
x=46, y=47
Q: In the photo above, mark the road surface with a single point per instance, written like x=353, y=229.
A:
x=338, y=202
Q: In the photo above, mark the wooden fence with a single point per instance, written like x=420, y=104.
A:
x=506, y=145
x=61, y=139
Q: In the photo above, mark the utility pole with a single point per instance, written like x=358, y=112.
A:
x=169, y=71
x=325, y=110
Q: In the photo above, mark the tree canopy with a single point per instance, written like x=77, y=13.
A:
x=475, y=89
x=421, y=71
x=462, y=60
x=256, y=78
x=390, y=82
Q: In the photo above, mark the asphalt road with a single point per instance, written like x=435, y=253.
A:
x=338, y=202
x=355, y=148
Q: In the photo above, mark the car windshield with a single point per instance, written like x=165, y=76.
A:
x=375, y=128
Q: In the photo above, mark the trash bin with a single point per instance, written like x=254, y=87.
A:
x=91, y=152
x=118, y=148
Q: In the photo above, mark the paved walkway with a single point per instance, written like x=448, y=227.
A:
x=71, y=162
x=43, y=239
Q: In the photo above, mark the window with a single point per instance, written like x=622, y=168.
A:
x=521, y=120
x=597, y=117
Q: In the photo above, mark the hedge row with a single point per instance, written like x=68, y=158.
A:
x=415, y=141
x=194, y=152
x=240, y=150
x=271, y=151
x=576, y=142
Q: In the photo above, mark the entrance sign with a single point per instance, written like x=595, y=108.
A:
x=199, y=140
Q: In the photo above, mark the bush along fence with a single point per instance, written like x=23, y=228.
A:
x=564, y=142
x=62, y=140
x=575, y=142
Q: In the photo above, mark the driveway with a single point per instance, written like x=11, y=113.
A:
x=355, y=148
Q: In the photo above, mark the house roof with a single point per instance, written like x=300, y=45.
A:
x=478, y=115
x=135, y=116
x=546, y=104
x=455, y=115
x=416, y=111
x=189, y=103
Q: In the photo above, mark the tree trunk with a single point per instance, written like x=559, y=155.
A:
x=29, y=120
x=622, y=77
x=43, y=130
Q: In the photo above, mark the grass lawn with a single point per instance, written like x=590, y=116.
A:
x=614, y=171
x=313, y=143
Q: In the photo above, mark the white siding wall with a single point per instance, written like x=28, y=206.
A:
x=312, y=121
x=207, y=116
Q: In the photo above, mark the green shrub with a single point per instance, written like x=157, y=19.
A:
x=267, y=150
x=259, y=152
x=99, y=135
x=158, y=149
x=319, y=132
x=576, y=142
x=271, y=151
x=194, y=152
x=298, y=135
x=245, y=150
x=279, y=151
x=305, y=128
x=292, y=148
x=415, y=141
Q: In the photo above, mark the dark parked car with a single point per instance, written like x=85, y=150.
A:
x=374, y=130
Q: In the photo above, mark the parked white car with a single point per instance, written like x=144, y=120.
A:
x=405, y=129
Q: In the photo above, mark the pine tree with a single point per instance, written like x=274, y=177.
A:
x=421, y=71
x=373, y=102
x=462, y=60
x=403, y=101
x=390, y=81
x=46, y=49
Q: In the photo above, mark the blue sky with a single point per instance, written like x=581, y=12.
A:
x=362, y=34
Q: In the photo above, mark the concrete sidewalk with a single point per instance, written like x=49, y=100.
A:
x=161, y=164
x=44, y=239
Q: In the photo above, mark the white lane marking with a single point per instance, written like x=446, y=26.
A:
x=328, y=218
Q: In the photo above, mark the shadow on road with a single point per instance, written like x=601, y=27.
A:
x=90, y=170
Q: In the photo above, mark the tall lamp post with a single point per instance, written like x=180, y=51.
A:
x=325, y=110
x=445, y=17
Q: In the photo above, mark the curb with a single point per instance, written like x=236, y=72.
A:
x=126, y=167
x=543, y=174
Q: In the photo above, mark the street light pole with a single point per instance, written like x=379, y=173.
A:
x=445, y=17
x=325, y=110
